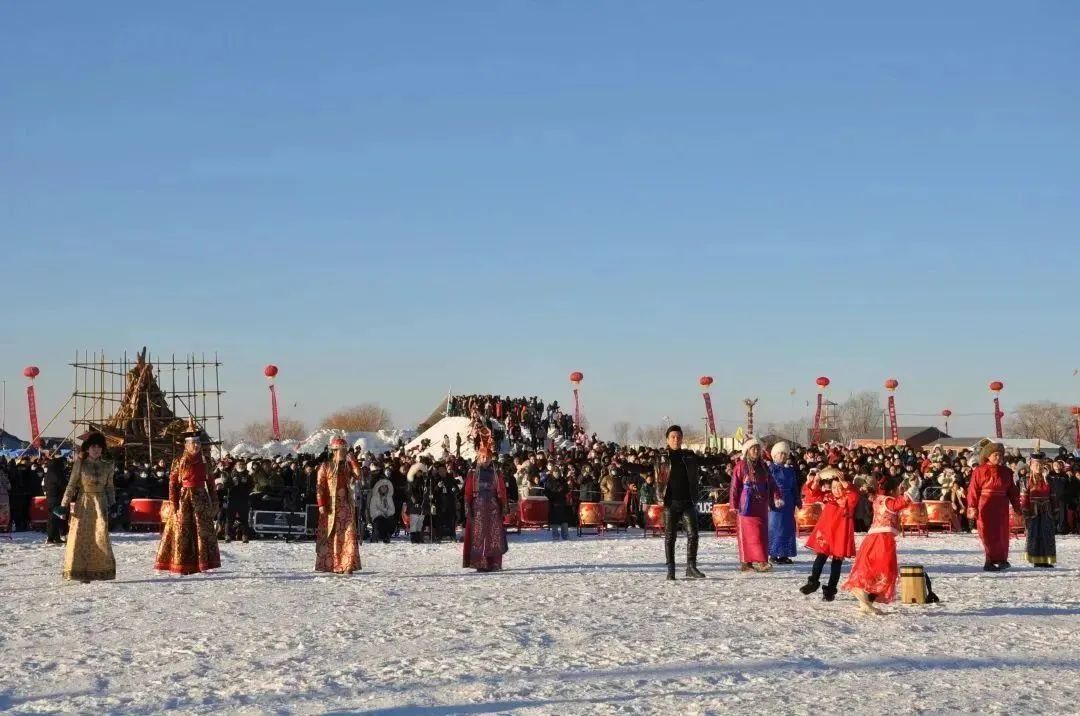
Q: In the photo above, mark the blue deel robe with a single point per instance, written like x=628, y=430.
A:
x=782, y=532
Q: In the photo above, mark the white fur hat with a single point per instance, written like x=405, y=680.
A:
x=749, y=444
x=780, y=448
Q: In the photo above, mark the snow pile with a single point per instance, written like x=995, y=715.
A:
x=447, y=426
x=377, y=442
x=587, y=626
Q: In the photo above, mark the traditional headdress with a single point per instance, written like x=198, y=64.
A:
x=191, y=432
x=338, y=443
x=486, y=449
x=780, y=448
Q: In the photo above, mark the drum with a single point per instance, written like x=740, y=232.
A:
x=723, y=518
x=39, y=512
x=615, y=513
x=512, y=518
x=591, y=516
x=146, y=513
x=807, y=516
x=939, y=514
x=533, y=512
x=912, y=584
x=654, y=519
x=913, y=519
x=1017, y=527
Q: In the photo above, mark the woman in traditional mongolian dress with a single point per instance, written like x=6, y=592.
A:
x=485, y=505
x=189, y=540
x=89, y=496
x=782, y=519
x=1039, y=515
x=337, y=547
x=753, y=492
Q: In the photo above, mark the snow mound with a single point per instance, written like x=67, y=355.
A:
x=377, y=442
x=446, y=426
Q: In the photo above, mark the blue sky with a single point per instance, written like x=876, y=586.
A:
x=386, y=199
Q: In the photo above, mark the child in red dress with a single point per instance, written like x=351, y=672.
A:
x=873, y=576
x=834, y=534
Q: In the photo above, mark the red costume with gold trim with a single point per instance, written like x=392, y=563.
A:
x=875, y=570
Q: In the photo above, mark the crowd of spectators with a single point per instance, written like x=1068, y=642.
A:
x=541, y=456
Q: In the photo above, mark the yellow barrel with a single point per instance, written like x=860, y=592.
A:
x=912, y=584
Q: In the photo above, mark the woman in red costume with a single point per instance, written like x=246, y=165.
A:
x=336, y=545
x=189, y=540
x=834, y=534
x=990, y=493
x=485, y=505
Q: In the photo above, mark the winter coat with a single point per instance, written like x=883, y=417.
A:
x=54, y=482
x=381, y=505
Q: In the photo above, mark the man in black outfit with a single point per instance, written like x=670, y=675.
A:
x=677, y=488
x=54, y=483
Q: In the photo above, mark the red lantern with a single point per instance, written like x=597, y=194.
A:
x=946, y=413
x=996, y=386
x=270, y=371
x=705, y=381
x=577, y=377
x=823, y=382
x=892, y=384
x=31, y=372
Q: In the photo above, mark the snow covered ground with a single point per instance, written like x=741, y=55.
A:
x=583, y=627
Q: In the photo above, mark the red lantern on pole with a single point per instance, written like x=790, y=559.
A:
x=31, y=372
x=822, y=384
x=575, y=380
x=891, y=385
x=706, y=382
x=271, y=372
x=996, y=388
x=946, y=413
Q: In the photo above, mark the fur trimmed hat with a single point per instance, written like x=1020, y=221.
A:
x=749, y=444
x=780, y=448
x=989, y=448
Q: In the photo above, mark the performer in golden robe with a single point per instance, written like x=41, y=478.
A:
x=189, y=540
x=336, y=544
x=89, y=496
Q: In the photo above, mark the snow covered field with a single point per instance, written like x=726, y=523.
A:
x=587, y=626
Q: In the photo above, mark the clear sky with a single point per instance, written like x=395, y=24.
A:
x=386, y=199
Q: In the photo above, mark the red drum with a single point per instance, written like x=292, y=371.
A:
x=913, y=518
x=591, y=516
x=723, y=519
x=533, y=512
x=939, y=514
x=807, y=516
x=1016, y=523
x=39, y=513
x=615, y=514
x=146, y=513
x=654, y=520
x=512, y=519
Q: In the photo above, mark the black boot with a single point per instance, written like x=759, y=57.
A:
x=828, y=593
x=671, y=573
x=991, y=567
x=810, y=587
x=693, y=572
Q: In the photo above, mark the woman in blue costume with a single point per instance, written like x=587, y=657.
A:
x=782, y=530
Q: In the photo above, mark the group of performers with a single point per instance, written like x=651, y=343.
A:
x=764, y=494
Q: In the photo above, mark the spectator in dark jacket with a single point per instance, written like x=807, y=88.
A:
x=54, y=483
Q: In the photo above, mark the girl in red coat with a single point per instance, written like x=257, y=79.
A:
x=990, y=493
x=873, y=576
x=834, y=534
